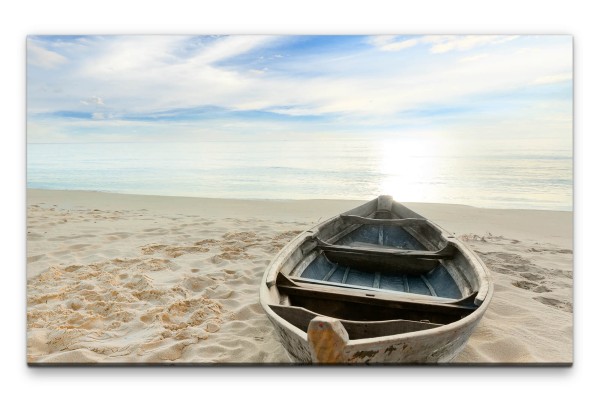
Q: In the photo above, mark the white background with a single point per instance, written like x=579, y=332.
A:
x=19, y=19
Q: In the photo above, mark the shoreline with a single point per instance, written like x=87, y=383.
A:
x=114, y=278
x=555, y=224
x=357, y=201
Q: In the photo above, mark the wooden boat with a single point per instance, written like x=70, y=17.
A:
x=377, y=284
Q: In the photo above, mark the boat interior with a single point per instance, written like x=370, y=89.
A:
x=391, y=270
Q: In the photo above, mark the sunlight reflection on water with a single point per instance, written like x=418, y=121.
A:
x=410, y=169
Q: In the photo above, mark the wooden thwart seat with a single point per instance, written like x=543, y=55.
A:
x=385, y=259
x=382, y=222
x=446, y=252
x=466, y=300
x=374, y=298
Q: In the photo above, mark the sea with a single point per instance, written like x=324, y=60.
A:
x=492, y=174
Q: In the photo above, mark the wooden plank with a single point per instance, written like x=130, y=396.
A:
x=429, y=286
x=431, y=243
x=377, y=300
x=303, y=264
x=288, y=257
x=382, y=263
x=349, y=218
x=333, y=227
x=330, y=273
x=457, y=275
x=377, y=280
x=346, y=272
x=361, y=244
x=285, y=285
x=386, y=260
x=301, y=318
x=467, y=299
x=343, y=233
x=428, y=236
x=447, y=252
x=364, y=209
x=400, y=292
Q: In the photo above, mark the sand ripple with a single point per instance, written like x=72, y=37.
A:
x=522, y=325
x=184, y=297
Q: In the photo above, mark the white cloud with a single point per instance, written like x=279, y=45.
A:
x=230, y=46
x=449, y=43
x=389, y=43
x=130, y=54
x=145, y=55
x=473, y=58
x=142, y=73
x=429, y=84
x=552, y=79
x=259, y=71
x=439, y=43
x=41, y=57
x=396, y=46
x=504, y=39
x=94, y=100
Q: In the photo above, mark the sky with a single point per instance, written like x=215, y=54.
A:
x=194, y=88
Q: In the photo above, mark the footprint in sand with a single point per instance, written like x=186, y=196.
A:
x=33, y=236
x=530, y=286
x=555, y=303
x=67, y=238
x=35, y=258
x=173, y=251
x=566, y=251
x=73, y=268
x=119, y=235
x=152, y=248
x=198, y=284
x=517, y=266
x=151, y=232
x=532, y=276
x=206, y=242
x=78, y=247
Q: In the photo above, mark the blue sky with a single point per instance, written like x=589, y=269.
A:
x=194, y=88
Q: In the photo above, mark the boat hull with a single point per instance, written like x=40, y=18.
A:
x=436, y=345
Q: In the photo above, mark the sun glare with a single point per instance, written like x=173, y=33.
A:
x=408, y=169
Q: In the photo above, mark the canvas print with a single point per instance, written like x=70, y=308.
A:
x=299, y=199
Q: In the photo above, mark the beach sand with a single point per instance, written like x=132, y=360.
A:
x=145, y=279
